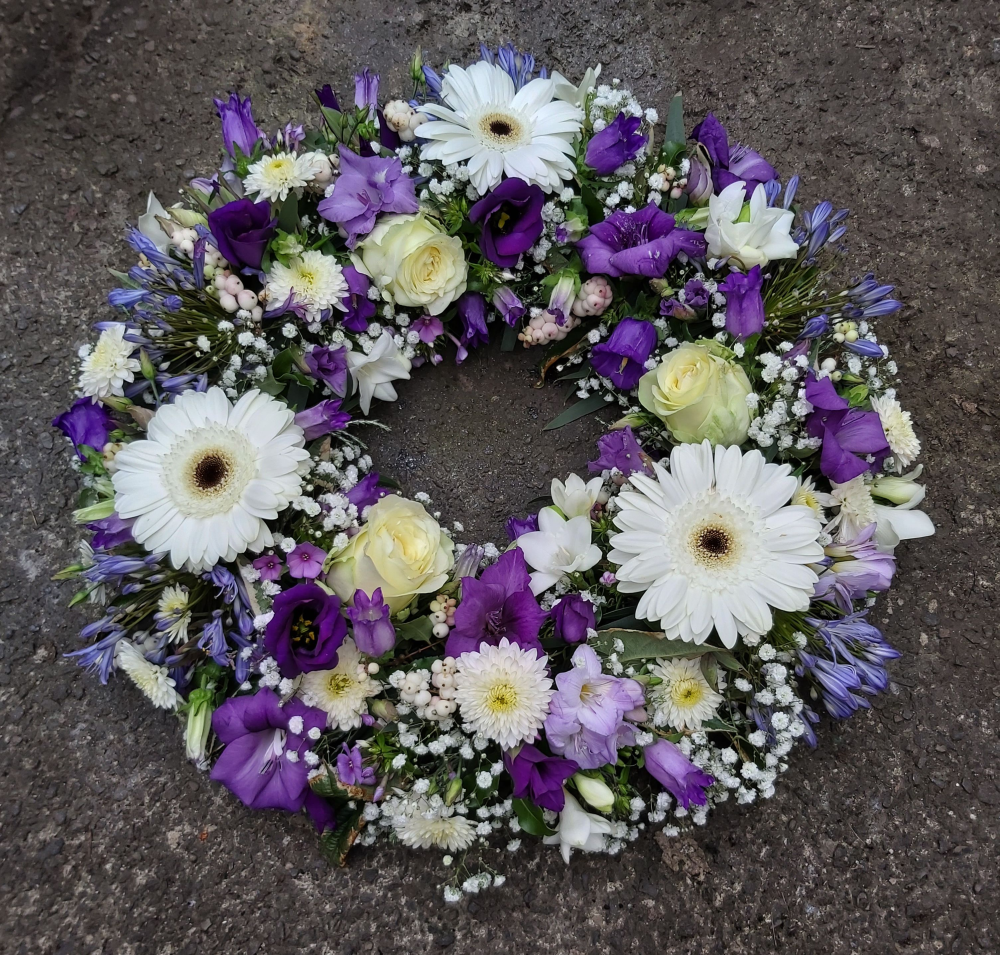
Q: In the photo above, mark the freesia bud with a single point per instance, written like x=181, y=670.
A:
x=595, y=792
x=199, y=723
x=116, y=403
x=148, y=371
x=699, y=183
x=383, y=710
x=453, y=791
x=899, y=490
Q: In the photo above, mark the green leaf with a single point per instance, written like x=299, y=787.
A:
x=727, y=659
x=419, y=629
x=627, y=621
x=595, y=211
x=674, y=130
x=531, y=819
x=580, y=371
x=336, y=843
x=288, y=217
x=857, y=395
x=579, y=410
x=270, y=385
x=298, y=395
x=645, y=645
x=509, y=338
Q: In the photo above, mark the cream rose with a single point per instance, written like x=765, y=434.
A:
x=415, y=262
x=698, y=393
x=400, y=549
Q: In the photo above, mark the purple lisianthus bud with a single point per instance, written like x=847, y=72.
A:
x=306, y=630
x=623, y=356
x=366, y=492
x=516, y=526
x=374, y=634
x=428, y=327
x=238, y=127
x=269, y=567
x=573, y=617
x=472, y=312
x=360, y=308
x=242, y=230
x=677, y=774
x=744, y=303
x=329, y=365
x=512, y=221
x=110, y=532
x=351, y=770
x=327, y=98
x=322, y=418
x=539, y=778
x=306, y=561
x=86, y=423
x=671, y=308
x=618, y=143
x=620, y=450
x=508, y=305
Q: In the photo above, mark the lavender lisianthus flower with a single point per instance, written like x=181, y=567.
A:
x=322, y=418
x=622, y=358
x=472, y=314
x=573, y=617
x=239, y=131
x=637, y=243
x=511, y=217
x=618, y=143
x=242, y=230
x=374, y=634
x=329, y=365
x=351, y=770
x=620, y=450
x=744, y=303
x=306, y=561
x=539, y=778
x=849, y=435
x=855, y=568
x=360, y=309
x=366, y=492
x=306, y=630
x=696, y=293
x=516, y=526
x=366, y=89
x=677, y=774
x=86, y=423
x=729, y=165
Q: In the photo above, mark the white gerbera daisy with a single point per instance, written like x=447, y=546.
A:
x=106, y=369
x=273, y=177
x=685, y=699
x=503, y=692
x=172, y=613
x=316, y=279
x=898, y=428
x=209, y=475
x=525, y=134
x=421, y=826
x=153, y=680
x=713, y=544
x=343, y=691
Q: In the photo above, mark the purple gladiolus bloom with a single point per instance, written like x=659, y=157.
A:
x=509, y=306
x=329, y=365
x=374, y=634
x=110, y=532
x=738, y=164
x=366, y=492
x=429, y=327
x=367, y=186
x=269, y=567
x=327, y=98
x=677, y=774
x=854, y=569
x=472, y=312
x=360, y=308
x=618, y=143
x=322, y=418
x=238, y=127
x=499, y=604
x=620, y=449
x=623, y=356
x=637, y=243
x=512, y=221
x=744, y=303
x=539, y=778
x=573, y=617
x=306, y=561
x=351, y=770
x=847, y=433
x=86, y=423
x=516, y=526
x=255, y=765
x=242, y=229
x=306, y=630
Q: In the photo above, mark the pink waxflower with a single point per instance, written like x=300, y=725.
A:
x=306, y=561
x=594, y=297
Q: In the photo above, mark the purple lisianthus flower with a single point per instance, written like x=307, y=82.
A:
x=322, y=418
x=511, y=215
x=360, y=308
x=744, y=303
x=429, y=327
x=366, y=492
x=539, y=778
x=306, y=630
x=500, y=604
x=269, y=567
x=573, y=617
x=516, y=526
x=367, y=186
x=374, y=634
x=329, y=365
x=677, y=774
x=637, y=243
x=257, y=766
x=306, y=561
x=738, y=164
x=472, y=313
x=242, y=229
x=110, y=532
x=623, y=356
x=238, y=127
x=855, y=568
x=618, y=143
x=86, y=423
x=695, y=293
x=847, y=433
x=351, y=770
x=510, y=307
x=620, y=449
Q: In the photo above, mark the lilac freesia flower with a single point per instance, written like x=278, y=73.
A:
x=637, y=243
x=329, y=365
x=539, y=778
x=269, y=567
x=618, y=143
x=510, y=307
x=573, y=617
x=511, y=216
x=322, y=418
x=238, y=127
x=262, y=763
x=738, y=164
x=429, y=327
x=500, y=604
x=374, y=634
x=677, y=774
x=848, y=434
x=855, y=568
x=623, y=357
x=366, y=492
x=242, y=230
x=360, y=308
x=367, y=186
x=306, y=630
x=744, y=303
x=366, y=89
x=306, y=561
x=516, y=526
x=110, y=532
x=351, y=770
x=86, y=423
x=620, y=449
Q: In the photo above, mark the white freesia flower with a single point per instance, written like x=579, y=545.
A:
x=109, y=365
x=155, y=681
x=559, y=547
x=595, y=792
x=374, y=373
x=149, y=225
x=568, y=92
x=576, y=498
x=579, y=829
x=756, y=241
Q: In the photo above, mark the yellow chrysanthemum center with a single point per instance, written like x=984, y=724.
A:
x=338, y=684
x=687, y=692
x=501, y=698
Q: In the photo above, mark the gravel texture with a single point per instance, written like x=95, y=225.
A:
x=884, y=840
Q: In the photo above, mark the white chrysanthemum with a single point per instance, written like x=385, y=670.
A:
x=424, y=827
x=316, y=279
x=525, y=134
x=685, y=699
x=343, y=691
x=173, y=613
x=153, y=680
x=898, y=428
x=713, y=544
x=856, y=508
x=209, y=475
x=106, y=369
x=807, y=495
x=273, y=177
x=503, y=692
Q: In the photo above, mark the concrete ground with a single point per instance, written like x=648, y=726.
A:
x=882, y=841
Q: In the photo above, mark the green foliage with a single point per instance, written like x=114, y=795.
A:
x=531, y=819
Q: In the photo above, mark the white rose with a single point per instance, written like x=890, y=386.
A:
x=752, y=236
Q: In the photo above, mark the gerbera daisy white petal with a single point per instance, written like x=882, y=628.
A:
x=317, y=281
x=343, y=691
x=685, y=699
x=712, y=544
x=273, y=177
x=106, y=369
x=526, y=134
x=197, y=486
x=424, y=827
x=503, y=692
x=153, y=680
x=898, y=428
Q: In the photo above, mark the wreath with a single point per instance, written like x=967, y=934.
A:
x=654, y=642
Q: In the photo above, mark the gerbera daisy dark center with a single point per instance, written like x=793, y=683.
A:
x=500, y=127
x=211, y=471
